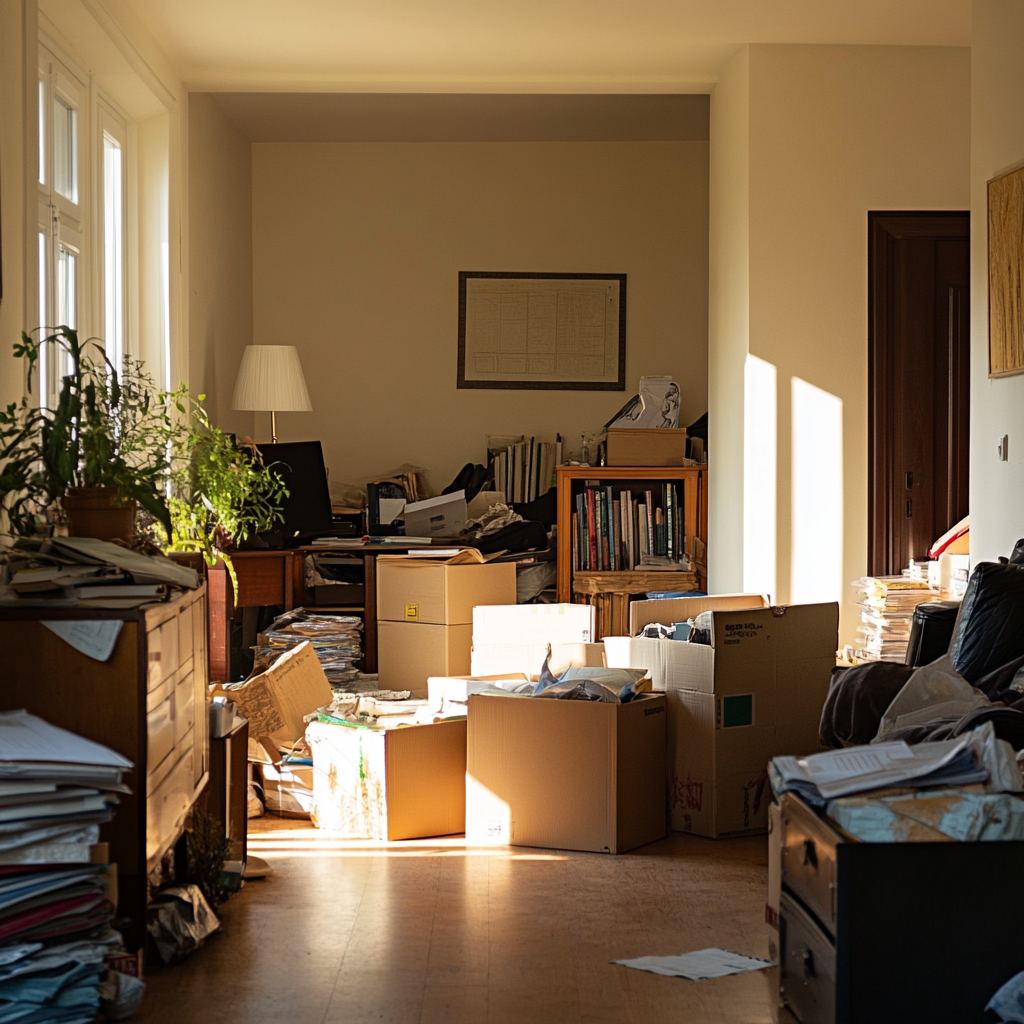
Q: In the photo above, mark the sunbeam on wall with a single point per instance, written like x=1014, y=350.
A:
x=816, y=572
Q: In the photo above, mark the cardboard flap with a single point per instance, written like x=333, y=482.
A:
x=277, y=700
x=467, y=556
x=679, y=609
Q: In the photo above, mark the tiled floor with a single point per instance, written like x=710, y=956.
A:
x=435, y=931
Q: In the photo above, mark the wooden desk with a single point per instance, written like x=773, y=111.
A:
x=277, y=578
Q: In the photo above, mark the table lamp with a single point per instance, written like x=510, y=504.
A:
x=270, y=380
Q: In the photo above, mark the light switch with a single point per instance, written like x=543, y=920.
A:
x=1003, y=447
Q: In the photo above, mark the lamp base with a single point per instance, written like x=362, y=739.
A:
x=273, y=428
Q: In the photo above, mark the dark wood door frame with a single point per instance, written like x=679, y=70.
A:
x=885, y=229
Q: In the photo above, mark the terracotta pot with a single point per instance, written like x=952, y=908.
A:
x=99, y=512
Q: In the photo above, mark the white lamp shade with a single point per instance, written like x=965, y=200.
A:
x=270, y=380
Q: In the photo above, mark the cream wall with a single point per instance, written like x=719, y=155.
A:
x=220, y=230
x=356, y=254
x=833, y=132
x=997, y=406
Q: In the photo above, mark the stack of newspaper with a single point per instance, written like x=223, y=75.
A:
x=56, y=789
x=887, y=606
x=336, y=639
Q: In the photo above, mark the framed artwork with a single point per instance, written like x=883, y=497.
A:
x=1006, y=274
x=557, y=332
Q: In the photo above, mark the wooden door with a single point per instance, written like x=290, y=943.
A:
x=918, y=382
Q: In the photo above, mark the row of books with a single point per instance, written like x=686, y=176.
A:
x=526, y=470
x=629, y=531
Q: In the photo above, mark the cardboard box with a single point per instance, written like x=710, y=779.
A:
x=288, y=789
x=443, y=516
x=755, y=694
x=514, y=638
x=679, y=609
x=391, y=784
x=565, y=774
x=443, y=691
x=276, y=701
x=409, y=653
x=665, y=446
x=443, y=592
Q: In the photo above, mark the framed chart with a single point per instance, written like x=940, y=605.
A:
x=542, y=331
x=1006, y=274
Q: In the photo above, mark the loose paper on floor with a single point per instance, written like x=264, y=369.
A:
x=698, y=966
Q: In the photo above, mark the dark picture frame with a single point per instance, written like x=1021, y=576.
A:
x=542, y=385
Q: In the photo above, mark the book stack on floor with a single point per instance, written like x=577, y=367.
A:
x=624, y=531
x=56, y=789
x=525, y=470
x=887, y=606
x=336, y=639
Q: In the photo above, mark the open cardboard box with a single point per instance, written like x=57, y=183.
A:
x=754, y=694
x=566, y=774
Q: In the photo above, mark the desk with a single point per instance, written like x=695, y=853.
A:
x=277, y=578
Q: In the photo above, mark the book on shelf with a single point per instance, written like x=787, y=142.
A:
x=525, y=469
x=630, y=531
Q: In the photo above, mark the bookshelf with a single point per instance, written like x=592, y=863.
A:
x=609, y=588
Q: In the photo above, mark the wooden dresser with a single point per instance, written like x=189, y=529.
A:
x=147, y=701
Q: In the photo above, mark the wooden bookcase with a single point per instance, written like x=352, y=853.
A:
x=610, y=591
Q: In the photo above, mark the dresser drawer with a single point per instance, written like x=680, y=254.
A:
x=809, y=859
x=162, y=652
x=807, y=965
x=160, y=730
x=167, y=805
x=184, y=707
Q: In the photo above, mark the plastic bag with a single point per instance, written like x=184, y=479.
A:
x=607, y=685
x=1008, y=1002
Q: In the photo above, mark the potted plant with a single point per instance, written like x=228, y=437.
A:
x=96, y=456
x=221, y=492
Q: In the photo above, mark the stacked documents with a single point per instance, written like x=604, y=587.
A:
x=56, y=789
x=887, y=606
x=336, y=639
x=73, y=572
x=821, y=777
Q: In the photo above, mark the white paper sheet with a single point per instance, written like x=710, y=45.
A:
x=25, y=738
x=95, y=638
x=698, y=966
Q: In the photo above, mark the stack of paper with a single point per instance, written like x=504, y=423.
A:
x=56, y=789
x=336, y=639
x=821, y=777
x=71, y=572
x=887, y=606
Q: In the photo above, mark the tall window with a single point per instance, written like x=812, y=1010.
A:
x=83, y=174
x=62, y=214
x=113, y=176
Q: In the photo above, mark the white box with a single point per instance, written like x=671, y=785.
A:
x=443, y=516
x=514, y=638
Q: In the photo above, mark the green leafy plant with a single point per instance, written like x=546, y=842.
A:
x=107, y=429
x=220, y=492
x=208, y=849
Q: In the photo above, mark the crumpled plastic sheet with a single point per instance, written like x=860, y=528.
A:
x=1008, y=1002
x=179, y=920
x=120, y=995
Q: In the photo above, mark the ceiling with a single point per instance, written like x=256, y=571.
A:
x=538, y=46
x=466, y=117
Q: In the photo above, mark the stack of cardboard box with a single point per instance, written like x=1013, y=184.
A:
x=425, y=615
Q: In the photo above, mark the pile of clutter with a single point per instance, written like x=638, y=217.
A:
x=955, y=722
x=57, y=946
x=887, y=606
x=336, y=639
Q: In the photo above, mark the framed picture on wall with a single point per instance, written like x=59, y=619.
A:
x=556, y=332
x=1006, y=274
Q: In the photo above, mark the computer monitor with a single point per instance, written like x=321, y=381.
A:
x=307, y=509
